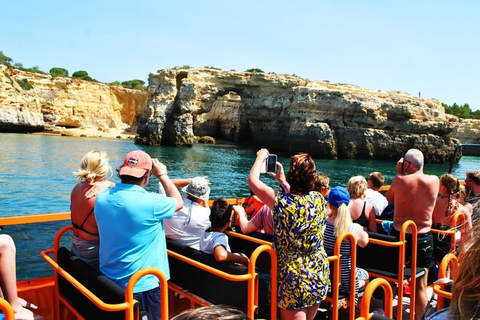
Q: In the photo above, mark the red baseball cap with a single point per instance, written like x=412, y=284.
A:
x=136, y=164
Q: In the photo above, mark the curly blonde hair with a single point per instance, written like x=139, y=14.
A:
x=94, y=165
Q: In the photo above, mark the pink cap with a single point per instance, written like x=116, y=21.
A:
x=136, y=164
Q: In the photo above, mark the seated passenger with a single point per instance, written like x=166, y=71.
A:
x=8, y=281
x=446, y=205
x=372, y=195
x=362, y=212
x=91, y=178
x=187, y=224
x=322, y=183
x=338, y=222
x=261, y=222
x=214, y=241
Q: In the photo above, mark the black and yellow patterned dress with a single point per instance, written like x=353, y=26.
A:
x=298, y=228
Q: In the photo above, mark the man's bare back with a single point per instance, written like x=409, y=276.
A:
x=414, y=195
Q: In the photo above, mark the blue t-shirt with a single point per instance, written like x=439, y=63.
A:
x=212, y=239
x=439, y=315
x=131, y=231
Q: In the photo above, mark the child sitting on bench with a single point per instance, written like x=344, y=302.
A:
x=214, y=241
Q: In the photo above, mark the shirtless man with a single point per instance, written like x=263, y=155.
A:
x=414, y=194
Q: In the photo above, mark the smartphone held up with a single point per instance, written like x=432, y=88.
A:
x=270, y=164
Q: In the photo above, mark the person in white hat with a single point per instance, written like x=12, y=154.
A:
x=187, y=224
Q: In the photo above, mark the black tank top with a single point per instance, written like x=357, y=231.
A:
x=362, y=220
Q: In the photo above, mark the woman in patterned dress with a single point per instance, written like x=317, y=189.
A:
x=298, y=228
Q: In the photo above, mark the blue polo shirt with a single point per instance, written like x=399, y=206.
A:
x=131, y=231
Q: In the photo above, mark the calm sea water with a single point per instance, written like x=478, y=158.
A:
x=36, y=177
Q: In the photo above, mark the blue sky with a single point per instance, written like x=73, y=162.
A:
x=429, y=46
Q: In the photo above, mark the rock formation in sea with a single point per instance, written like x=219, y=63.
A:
x=283, y=113
x=287, y=114
x=53, y=103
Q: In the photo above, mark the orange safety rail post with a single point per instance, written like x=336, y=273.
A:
x=336, y=259
x=7, y=309
x=250, y=277
x=163, y=291
x=401, y=244
x=367, y=296
x=129, y=303
x=7, y=221
x=353, y=266
x=449, y=263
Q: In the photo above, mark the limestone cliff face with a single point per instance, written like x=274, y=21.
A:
x=289, y=114
x=65, y=102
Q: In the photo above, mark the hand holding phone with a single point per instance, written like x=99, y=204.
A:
x=269, y=164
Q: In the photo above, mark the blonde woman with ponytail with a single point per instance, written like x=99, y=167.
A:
x=92, y=178
x=339, y=221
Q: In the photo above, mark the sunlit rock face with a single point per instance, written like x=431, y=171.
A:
x=288, y=114
x=65, y=102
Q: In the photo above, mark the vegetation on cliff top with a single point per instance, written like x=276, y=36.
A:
x=61, y=72
x=461, y=111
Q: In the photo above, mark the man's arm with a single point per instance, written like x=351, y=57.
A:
x=160, y=171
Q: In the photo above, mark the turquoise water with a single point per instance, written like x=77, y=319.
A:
x=37, y=177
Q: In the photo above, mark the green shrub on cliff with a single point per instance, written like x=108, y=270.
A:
x=255, y=70
x=81, y=74
x=58, y=72
x=24, y=84
x=134, y=84
x=463, y=112
x=5, y=60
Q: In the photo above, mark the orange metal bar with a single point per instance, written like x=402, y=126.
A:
x=163, y=291
x=336, y=259
x=249, y=238
x=401, y=244
x=367, y=296
x=129, y=303
x=7, y=221
x=449, y=262
x=7, y=309
x=250, y=277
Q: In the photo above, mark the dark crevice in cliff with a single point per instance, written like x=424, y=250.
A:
x=169, y=134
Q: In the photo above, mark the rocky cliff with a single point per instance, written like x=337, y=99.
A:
x=290, y=114
x=52, y=103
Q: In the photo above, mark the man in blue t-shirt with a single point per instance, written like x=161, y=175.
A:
x=130, y=225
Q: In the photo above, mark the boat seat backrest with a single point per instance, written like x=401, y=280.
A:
x=381, y=259
x=378, y=256
x=100, y=285
x=209, y=286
